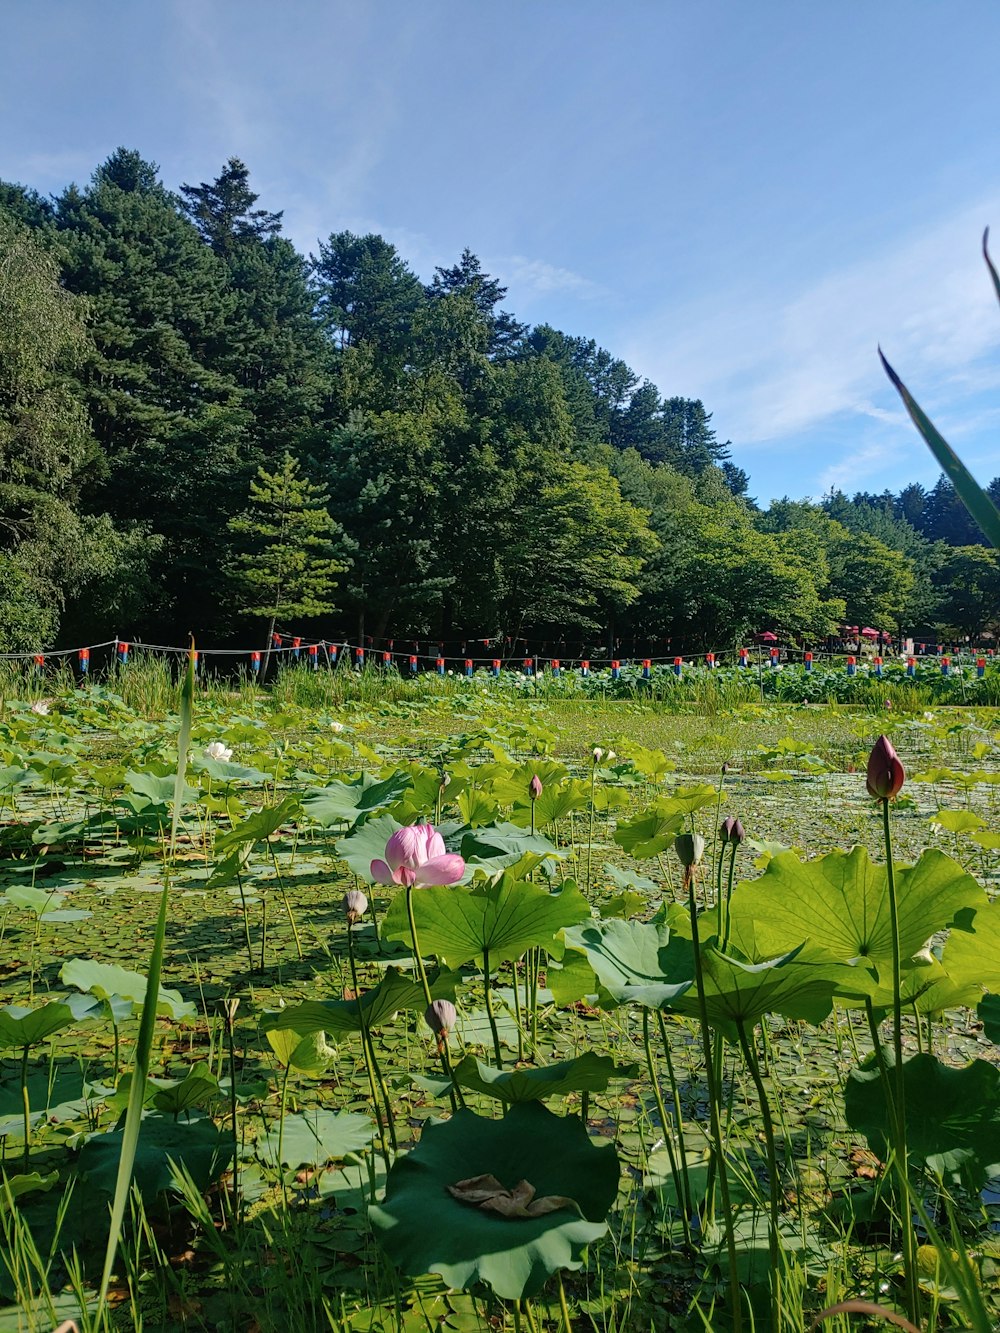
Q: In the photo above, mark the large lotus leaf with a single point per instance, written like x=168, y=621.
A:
x=958, y=821
x=221, y=770
x=629, y=879
x=926, y=988
x=738, y=993
x=316, y=1137
x=635, y=961
x=839, y=903
x=495, y=847
x=337, y=1017
x=307, y=1055
x=988, y=1013
x=556, y=802
x=506, y=918
x=259, y=825
x=107, y=981
x=571, y=979
x=158, y=791
x=366, y=843
x=509, y=786
x=972, y=950
x=348, y=802
x=587, y=1073
x=198, y=1087
x=652, y=831
x=952, y=1115
x=26, y=1027
x=424, y=1229
x=195, y=1144
x=55, y=1093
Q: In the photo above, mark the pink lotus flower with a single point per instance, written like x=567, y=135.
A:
x=415, y=856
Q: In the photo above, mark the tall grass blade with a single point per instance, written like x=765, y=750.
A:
x=144, y=1045
x=969, y=491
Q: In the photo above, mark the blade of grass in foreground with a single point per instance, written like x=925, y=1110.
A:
x=133, y=1114
x=969, y=491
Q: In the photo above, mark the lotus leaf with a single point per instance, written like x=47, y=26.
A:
x=586, y=1073
x=337, y=1017
x=952, y=1115
x=505, y=918
x=839, y=903
x=354, y=801
x=425, y=1229
x=197, y=1145
x=108, y=982
x=316, y=1137
x=635, y=961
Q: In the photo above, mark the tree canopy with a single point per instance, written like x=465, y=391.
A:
x=167, y=358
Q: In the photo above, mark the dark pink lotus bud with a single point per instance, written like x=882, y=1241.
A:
x=731, y=830
x=885, y=772
x=535, y=787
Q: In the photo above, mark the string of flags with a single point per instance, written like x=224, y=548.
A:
x=322, y=652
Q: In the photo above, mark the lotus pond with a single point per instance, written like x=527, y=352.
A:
x=659, y=1085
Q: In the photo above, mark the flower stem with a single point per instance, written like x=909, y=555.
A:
x=750, y=1056
x=365, y=1047
x=735, y=1292
x=666, y=1126
x=456, y=1092
x=489, y=1008
x=902, y=1161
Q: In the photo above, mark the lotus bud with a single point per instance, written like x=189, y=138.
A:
x=445, y=782
x=731, y=830
x=440, y=1016
x=690, y=848
x=885, y=771
x=610, y=756
x=598, y=754
x=725, y=768
x=355, y=905
x=535, y=787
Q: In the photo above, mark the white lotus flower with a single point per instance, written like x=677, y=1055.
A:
x=218, y=751
x=41, y=707
x=598, y=754
x=336, y=726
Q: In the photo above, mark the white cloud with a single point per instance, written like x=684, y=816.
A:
x=534, y=277
x=775, y=363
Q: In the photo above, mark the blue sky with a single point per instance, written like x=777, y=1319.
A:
x=741, y=198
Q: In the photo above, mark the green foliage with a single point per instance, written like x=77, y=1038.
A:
x=289, y=564
x=424, y=1229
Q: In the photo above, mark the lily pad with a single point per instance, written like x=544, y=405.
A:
x=425, y=1229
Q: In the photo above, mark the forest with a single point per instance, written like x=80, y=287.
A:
x=203, y=430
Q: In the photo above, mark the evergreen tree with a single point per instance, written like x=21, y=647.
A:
x=223, y=210
x=291, y=550
x=466, y=278
x=169, y=416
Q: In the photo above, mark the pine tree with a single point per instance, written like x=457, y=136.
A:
x=293, y=549
x=223, y=210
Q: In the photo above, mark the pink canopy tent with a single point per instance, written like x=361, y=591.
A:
x=869, y=633
x=767, y=637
